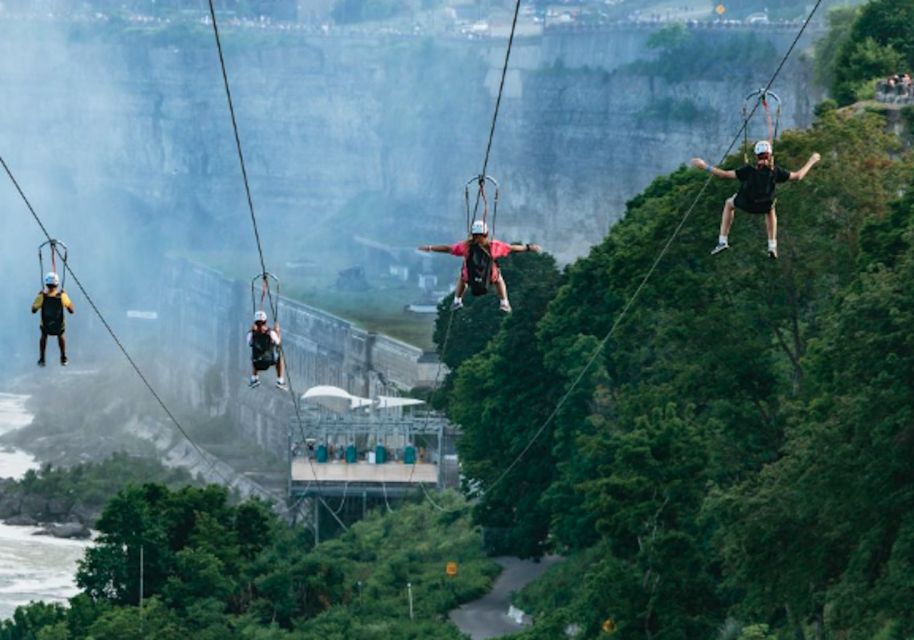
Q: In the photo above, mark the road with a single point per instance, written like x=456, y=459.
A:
x=488, y=616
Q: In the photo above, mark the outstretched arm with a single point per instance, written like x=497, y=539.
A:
x=799, y=175
x=698, y=163
x=436, y=248
x=535, y=248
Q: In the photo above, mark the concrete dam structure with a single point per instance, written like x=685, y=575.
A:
x=320, y=349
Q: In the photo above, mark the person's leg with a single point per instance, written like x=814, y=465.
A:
x=502, y=290
x=726, y=220
x=280, y=381
x=42, y=345
x=255, y=379
x=62, y=343
x=771, y=224
x=458, y=293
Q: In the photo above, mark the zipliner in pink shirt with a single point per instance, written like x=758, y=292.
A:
x=497, y=249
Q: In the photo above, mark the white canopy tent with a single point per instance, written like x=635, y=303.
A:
x=341, y=401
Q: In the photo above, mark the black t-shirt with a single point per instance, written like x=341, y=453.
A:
x=757, y=186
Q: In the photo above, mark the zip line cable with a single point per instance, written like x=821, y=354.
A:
x=480, y=194
x=207, y=457
x=244, y=171
x=501, y=88
x=412, y=471
x=274, y=304
x=650, y=272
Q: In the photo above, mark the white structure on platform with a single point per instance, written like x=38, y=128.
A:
x=341, y=401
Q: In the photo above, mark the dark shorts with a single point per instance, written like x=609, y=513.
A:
x=59, y=333
x=748, y=207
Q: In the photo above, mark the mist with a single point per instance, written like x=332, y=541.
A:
x=358, y=139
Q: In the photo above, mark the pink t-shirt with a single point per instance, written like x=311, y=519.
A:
x=497, y=249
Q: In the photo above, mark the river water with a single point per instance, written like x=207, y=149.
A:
x=31, y=567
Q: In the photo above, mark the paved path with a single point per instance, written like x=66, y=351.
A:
x=488, y=616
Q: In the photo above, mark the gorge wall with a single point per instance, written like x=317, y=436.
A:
x=134, y=122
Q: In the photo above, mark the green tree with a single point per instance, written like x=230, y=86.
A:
x=30, y=620
x=879, y=44
x=692, y=398
x=500, y=399
x=828, y=48
x=837, y=505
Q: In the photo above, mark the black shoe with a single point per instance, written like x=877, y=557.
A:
x=773, y=254
x=63, y=361
x=41, y=362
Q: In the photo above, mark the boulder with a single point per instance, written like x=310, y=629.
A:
x=34, y=506
x=58, y=507
x=21, y=520
x=75, y=530
x=85, y=514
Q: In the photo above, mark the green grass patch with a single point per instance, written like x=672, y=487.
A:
x=381, y=308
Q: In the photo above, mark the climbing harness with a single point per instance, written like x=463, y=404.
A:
x=263, y=351
x=760, y=97
x=478, y=260
x=266, y=294
x=480, y=182
x=55, y=248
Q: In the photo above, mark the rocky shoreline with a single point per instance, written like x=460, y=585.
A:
x=59, y=517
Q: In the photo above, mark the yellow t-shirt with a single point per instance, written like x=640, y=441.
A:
x=64, y=299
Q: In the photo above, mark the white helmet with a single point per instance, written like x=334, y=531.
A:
x=479, y=227
x=51, y=279
x=762, y=146
x=260, y=316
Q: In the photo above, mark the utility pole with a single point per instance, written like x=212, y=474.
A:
x=409, y=590
x=141, y=590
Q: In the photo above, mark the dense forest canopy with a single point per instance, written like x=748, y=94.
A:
x=737, y=460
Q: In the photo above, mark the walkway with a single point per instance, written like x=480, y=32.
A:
x=488, y=616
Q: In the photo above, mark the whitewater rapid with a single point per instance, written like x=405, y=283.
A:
x=31, y=567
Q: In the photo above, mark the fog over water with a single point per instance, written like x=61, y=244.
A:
x=31, y=567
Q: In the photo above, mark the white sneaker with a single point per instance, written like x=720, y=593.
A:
x=254, y=382
x=505, y=306
x=281, y=385
x=721, y=246
x=456, y=304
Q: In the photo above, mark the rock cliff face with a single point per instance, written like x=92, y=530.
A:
x=135, y=124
